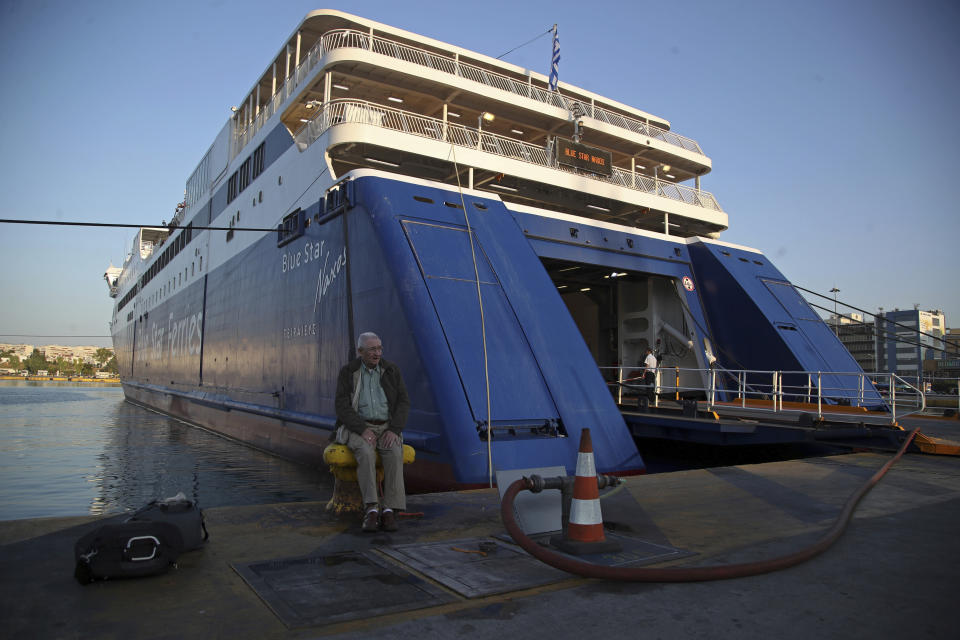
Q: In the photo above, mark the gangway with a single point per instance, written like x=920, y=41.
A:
x=764, y=407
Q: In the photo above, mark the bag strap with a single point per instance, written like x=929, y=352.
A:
x=140, y=510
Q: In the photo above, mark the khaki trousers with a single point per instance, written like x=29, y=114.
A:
x=394, y=493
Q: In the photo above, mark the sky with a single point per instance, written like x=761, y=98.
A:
x=829, y=123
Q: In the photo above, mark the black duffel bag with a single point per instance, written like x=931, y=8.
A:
x=181, y=513
x=129, y=549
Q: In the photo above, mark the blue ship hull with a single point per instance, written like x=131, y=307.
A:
x=252, y=350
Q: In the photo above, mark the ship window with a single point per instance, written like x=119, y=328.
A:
x=480, y=206
x=232, y=190
x=453, y=205
x=291, y=228
x=726, y=253
x=758, y=262
x=743, y=260
x=422, y=199
x=245, y=174
x=258, y=160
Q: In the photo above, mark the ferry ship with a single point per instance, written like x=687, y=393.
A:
x=516, y=247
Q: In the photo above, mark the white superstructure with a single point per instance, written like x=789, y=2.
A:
x=357, y=93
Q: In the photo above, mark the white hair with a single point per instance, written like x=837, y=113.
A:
x=364, y=337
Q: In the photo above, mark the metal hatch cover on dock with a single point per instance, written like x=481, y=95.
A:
x=323, y=589
x=476, y=567
x=504, y=567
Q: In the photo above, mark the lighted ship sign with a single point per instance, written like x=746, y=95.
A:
x=580, y=156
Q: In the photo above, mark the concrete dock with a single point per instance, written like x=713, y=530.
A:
x=293, y=571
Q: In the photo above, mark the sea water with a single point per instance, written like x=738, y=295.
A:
x=80, y=449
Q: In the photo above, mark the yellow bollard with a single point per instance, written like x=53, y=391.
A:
x=346, y=492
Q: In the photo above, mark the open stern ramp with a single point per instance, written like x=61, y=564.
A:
x=762, y=323
x=545, y=386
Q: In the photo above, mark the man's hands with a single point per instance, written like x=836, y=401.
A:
x=387, y=440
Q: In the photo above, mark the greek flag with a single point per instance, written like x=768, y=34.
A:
x=555, y=61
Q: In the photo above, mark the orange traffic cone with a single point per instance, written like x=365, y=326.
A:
x=584, y=532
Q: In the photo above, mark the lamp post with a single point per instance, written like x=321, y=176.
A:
x=877, y=339
x=836, y=318
x=577, y=113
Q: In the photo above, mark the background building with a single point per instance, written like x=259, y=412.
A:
x=911, y=337
x=944, y=373
x=907, y=342
x=15, y=356
x=859, y=337
x=22, y=351
x=952, y=338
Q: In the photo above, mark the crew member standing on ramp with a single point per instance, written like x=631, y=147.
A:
x=650, y=372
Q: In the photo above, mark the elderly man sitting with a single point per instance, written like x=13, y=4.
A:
x=372, y=407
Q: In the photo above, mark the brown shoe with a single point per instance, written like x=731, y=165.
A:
x=388, y=520
x=371, y=521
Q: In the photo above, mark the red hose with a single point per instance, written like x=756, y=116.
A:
x=687, y=574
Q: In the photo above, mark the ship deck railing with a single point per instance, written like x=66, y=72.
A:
x=346, y=111
x=348, y=38
x=822, y=392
